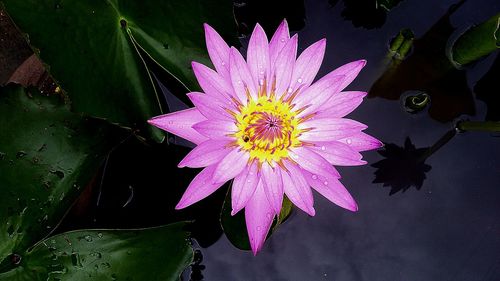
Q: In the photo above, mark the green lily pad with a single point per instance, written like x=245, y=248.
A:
x=47, y=156
x=171, y=32
x=92, y=48
x=160, y=253
x=477, y=42
x=235, y=227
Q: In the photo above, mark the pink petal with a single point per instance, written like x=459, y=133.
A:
x=205, y=154
x=315, y=96
x=258, y=55
x=332, y=189
x=243, y=187
x=312, y=162
x=209, y=106
x=218, y=51
x=341, y=104
x=297, y=189
x=273, y=186
x=362, y=142
x=231, y=165
x=180, y=123
x=259, y=216
x=329, y=129
x=241, y=77
x=338, y=153
x=216, y=129
x=200, y=187
x=283, y=68
x=279, y=40
x=211, y=82
x=349, y=70
x=307, y=65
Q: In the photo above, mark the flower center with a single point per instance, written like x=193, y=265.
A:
x=267, y=127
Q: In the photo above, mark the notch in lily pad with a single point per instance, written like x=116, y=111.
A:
x=123, y=23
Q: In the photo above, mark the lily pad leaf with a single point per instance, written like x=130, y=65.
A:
x=235, y=227
x=477, y=42
x=92, y=49
x=171, y=32
x=47, y=156
x=160, y=253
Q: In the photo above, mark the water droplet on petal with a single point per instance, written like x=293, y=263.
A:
x=325, y=182
x=259, y=228
x=261, y=82
x=269, y=215
x=282, y=40
x=290, y=89
x=299, y=80
x=349, y=141
x=314, y=177
x=223, y=63
x=323, y=148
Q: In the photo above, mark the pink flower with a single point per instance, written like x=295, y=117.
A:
x=264, y=124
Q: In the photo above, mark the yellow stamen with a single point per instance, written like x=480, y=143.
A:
x=267, y=128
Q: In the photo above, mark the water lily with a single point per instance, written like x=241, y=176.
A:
x=264, y=124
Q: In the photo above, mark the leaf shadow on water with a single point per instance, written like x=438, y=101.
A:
x=269, y=14
x=368, y=14
x=404, y=167
x=485, y=91
x=139, y=187
x=429, y=70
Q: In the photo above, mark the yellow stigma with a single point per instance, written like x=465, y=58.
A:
x=267, y=127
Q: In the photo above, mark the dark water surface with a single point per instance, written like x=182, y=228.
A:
x=446, y=229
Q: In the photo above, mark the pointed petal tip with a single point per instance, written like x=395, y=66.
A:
x=352, y=206
x=258, y=27
x=208, y=29
x=182, y=164
x=256, y=247
x=311, y=211
x=180, y=205
x=195, y=64
x=156, y=121
x=380, y=144
x=255, y=251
